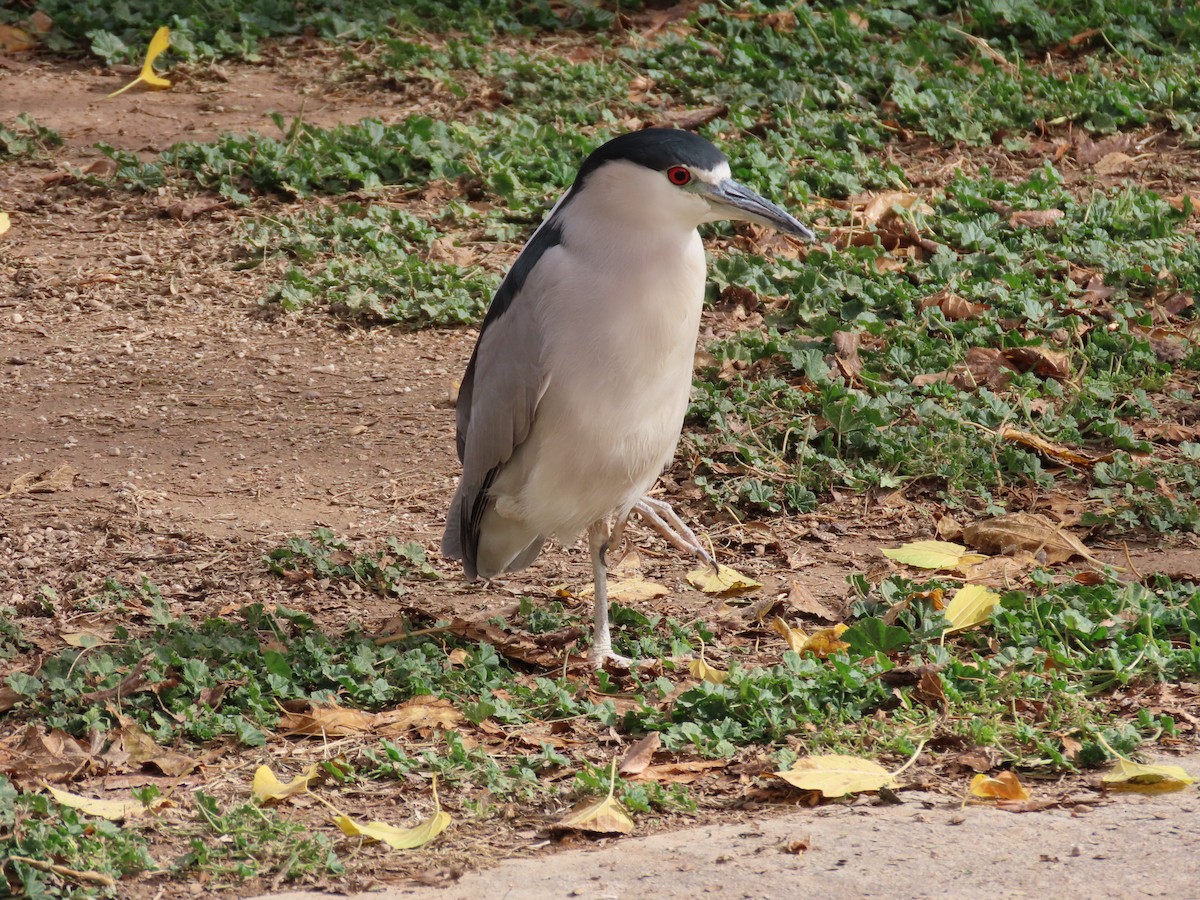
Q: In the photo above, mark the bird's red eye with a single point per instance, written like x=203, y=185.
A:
x=678, y=175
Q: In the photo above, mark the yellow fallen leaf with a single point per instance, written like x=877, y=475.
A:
x=603, y=816
x=821, y=643
x=723, y=581
x=4, y=222
x=941, y=555
x=795, y=637
x=113, y=810
x=836, y=775
x=629, y=590
x=699, y=668
x=267, y=786
x=398, y=838
x=14, y=40
x=826, y=641
x=971, y=605
x=1004, y=786
x=1159, y=779
x=160, y=42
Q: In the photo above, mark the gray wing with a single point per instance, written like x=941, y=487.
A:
x=498, y=398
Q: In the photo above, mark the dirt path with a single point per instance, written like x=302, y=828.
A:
x=927, y=847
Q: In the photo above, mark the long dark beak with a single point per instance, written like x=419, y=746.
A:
x=731, y=200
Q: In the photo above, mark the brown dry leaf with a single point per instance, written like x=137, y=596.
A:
x=1055, y=452
x=783, y=22
x=1115, y=163
x=954, y=307
x=446, y=249
x=797, y=845
x=800, y=599
x=1001, y=571
x=424, y=714
x=837, y=776
x=640, y=754
x=14, y=40
x=62, y=478
x=1042, y=361
x=144, y=751
x=845, y=348
x=885, y=263
x=681, y=772
x=9, y=698
x=1035, y=218
x=929, y=690
x=1182, y=202
x=981, y=366
x=1071, y=749
x=1004, y=786
x=1167, y=432
x=691, y=119
x=181, y=210
x=877, y=207
x=508, y=644
x=1025, y=531
x=630, y=563
x=327, y=720
x=1160, y=779
x=46, y=756
x=1170, y=345
x=267, y=786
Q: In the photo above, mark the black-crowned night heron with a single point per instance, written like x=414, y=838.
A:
x=575, y=395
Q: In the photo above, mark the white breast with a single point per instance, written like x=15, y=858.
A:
x=620, y=330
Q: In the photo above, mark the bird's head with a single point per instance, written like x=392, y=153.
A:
x=666, y=176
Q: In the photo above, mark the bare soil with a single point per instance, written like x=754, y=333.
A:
x=196, y=435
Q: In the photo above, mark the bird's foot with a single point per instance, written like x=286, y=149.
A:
x=659, y=515
x=601, y=657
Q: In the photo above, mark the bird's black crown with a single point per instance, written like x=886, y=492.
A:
x=654, y=148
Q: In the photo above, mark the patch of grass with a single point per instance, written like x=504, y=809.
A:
x=327, y=556
x=792, y=427
x=244, y=841
x=369, y=263
x=216, y=29
x=24, y=137
x=61, y=839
